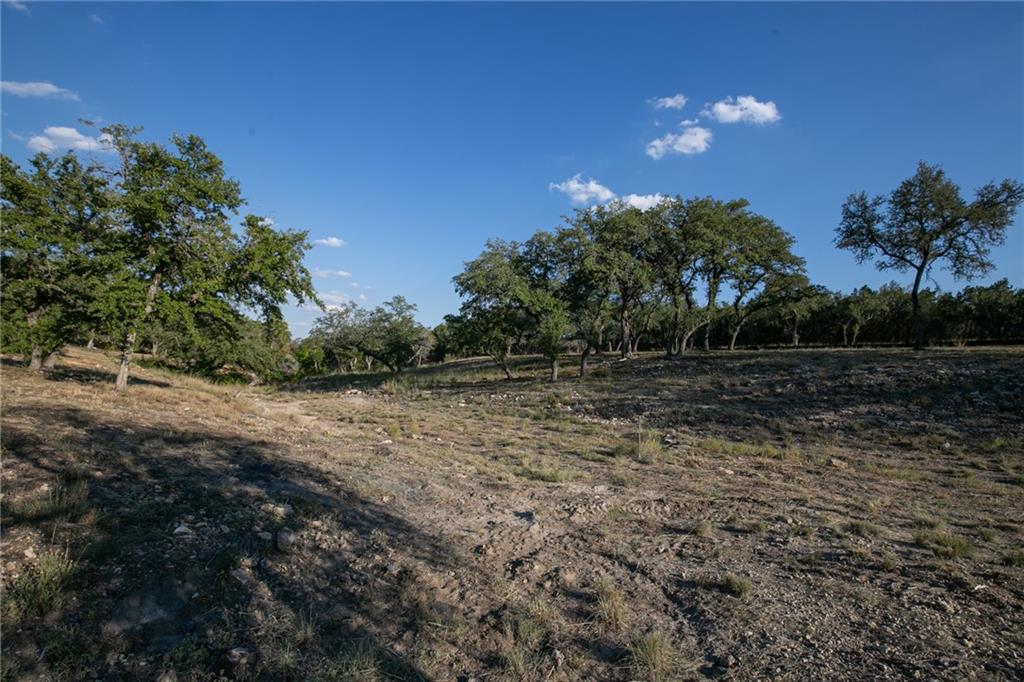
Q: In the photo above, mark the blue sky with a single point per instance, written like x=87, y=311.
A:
x=415, y=132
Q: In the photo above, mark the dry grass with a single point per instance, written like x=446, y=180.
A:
x=610, y=607
x=515, y=530
x=652, y=656
x=944, y=544
x=41, y=590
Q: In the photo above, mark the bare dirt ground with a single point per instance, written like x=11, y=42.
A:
x=788, y=515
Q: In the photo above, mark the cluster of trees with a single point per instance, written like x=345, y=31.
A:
x=142, y=251
x=616, y=275
x=992, y=314
x=620, y=276
x=349, y=338
x=702, y=272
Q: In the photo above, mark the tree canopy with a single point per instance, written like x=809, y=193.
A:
x=924, y=222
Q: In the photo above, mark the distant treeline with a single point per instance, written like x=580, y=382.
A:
x=140, y=254
x=976, y=315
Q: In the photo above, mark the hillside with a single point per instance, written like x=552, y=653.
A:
x=774, y=515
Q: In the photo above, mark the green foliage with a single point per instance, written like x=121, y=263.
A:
x=512, y=296
x=925, y=221
x=388, y=334
x=146, y=252
x=55, y=221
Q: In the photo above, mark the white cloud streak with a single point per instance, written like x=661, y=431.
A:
x=693, y=140
x=56, y=138
x=333, y=300
x=37, y=89
x=581, y=191
x=14, y=4
x=677, y=101
x=333, y=242
x=331, y=273
x=745, y=109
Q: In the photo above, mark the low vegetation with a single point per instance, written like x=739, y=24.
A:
x=717, y=515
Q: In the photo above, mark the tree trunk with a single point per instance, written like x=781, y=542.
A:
x=121, y=383
x=796, y=334
x=626, y=347
x=36, y=354
x=685, y=341
x=92, y=342
x=126, y=358
x=735, y=333
x=583, y=360
x=707, y=336
x=918, y=320
x=50, y=360
x=845, y=343
x=554, y=370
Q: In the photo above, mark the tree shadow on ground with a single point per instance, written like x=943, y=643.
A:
x=171, y=573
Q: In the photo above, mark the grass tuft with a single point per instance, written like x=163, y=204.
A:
x=1014, y=558
x=41, y=590
x=651, y=656
x=63, y=501
x=730, y=583
x=862, y=529
x=610, y=607
x=944, y=544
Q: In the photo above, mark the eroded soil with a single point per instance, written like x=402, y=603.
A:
x=778, y=515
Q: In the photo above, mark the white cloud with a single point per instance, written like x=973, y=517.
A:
x=362, y=297
x=14, y=4
x=581, y=191
x=677, y=101
x=96, y=19
x=55, y=138
x=643, y=201
x=745, y=109
x=584, y=192
x=693, y=140
x=687, y=122
x=333, y=299
x=333, y=242
x=354, y=285
x=36, y=89
x=331, y=273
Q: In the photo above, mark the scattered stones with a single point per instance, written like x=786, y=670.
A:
x=182, y=529
x=243, y=574
x=239, y=659
x=265, y=535
x=286, y=539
